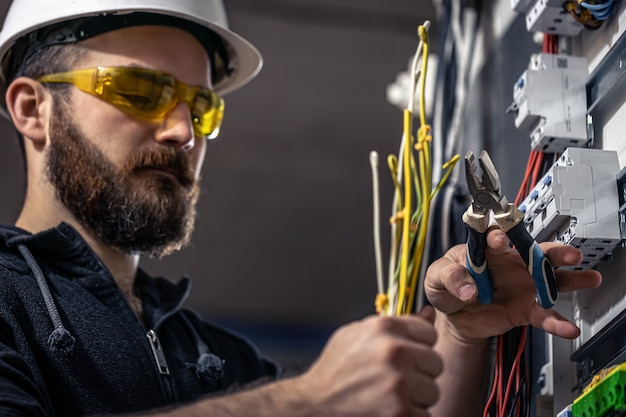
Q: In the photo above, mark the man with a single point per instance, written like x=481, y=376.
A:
x=112, y=110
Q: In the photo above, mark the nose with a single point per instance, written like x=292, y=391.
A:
x=177, y=128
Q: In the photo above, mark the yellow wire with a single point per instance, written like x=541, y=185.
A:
x=406, y=211
x=413, y=186
x=425, y=177
x=407, y=285
x=423, y=34
x=448, y=166
x=392, y=161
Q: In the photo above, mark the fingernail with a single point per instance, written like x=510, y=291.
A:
x=466, y=292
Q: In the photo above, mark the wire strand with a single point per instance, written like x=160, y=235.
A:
x=412, y=176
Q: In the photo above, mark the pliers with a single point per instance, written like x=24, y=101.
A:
x=487, y=197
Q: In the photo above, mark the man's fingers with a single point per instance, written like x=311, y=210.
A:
x=450, y=286
x=427, y=313
x=562, y=255
x=498, y=242
x=568, y=280
x=577, y=280
x=552, y=322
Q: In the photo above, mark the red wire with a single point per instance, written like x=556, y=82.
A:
x=515, y=370
x=550, y=44
x=518, y=384
x=496, y=377
x=537, y=168
x=521, y=194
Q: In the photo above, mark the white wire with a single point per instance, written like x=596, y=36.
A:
x=376, y=202
x=415, y=69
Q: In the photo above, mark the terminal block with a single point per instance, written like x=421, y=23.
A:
x=550, y=102
x=548, y=16
x=577, y=203
x=604, y=396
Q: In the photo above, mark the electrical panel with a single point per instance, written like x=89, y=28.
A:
x=577, y=203
x=567, y=106
x=581, y=199
x=550, y=102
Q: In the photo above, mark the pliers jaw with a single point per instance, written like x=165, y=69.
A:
x=487, y=197
x=486, y=189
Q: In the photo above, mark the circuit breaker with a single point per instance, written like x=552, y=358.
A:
x=550, y=102
x=577, y=203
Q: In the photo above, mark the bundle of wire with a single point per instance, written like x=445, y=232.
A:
x=411, y=172
x=591, y=13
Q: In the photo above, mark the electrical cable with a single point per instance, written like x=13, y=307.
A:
x=412, y=176
x=465, y=43
x=591, y=14
x=459, y=31
x=599, y=10
x=381, y=298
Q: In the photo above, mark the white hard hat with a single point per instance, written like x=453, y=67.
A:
x=27, y=19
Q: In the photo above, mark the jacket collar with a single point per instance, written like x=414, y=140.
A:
x=63, y=248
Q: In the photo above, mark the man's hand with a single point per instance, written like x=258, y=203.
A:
x=375, y=367
x=379, y=366
x=452, y=291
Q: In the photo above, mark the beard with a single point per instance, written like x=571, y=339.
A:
x=133, y=208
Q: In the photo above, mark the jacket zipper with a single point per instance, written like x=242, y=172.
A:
x=157, y=351
x=161, y=363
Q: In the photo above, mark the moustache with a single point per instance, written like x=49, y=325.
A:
x=174, y=161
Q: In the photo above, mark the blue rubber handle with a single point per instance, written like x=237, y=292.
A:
x=538, y=265
x=476, y=264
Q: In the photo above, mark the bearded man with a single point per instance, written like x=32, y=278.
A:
x=113, y=101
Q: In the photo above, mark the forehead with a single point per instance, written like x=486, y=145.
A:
x=163, y=48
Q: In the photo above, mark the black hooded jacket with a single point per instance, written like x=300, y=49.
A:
x=70, y=345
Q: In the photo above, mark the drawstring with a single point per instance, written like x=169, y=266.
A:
x=208, y=366
x=60, y=339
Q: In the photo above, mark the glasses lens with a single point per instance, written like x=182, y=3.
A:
x=207, y=110
x=146, y=93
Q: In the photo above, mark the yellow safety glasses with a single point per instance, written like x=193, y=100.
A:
x=147, y=93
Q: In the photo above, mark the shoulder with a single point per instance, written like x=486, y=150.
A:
x=11, y=261
x=13, y=268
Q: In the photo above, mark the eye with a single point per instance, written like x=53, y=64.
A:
x=137, y=100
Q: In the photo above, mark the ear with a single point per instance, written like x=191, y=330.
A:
x=29, y=103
